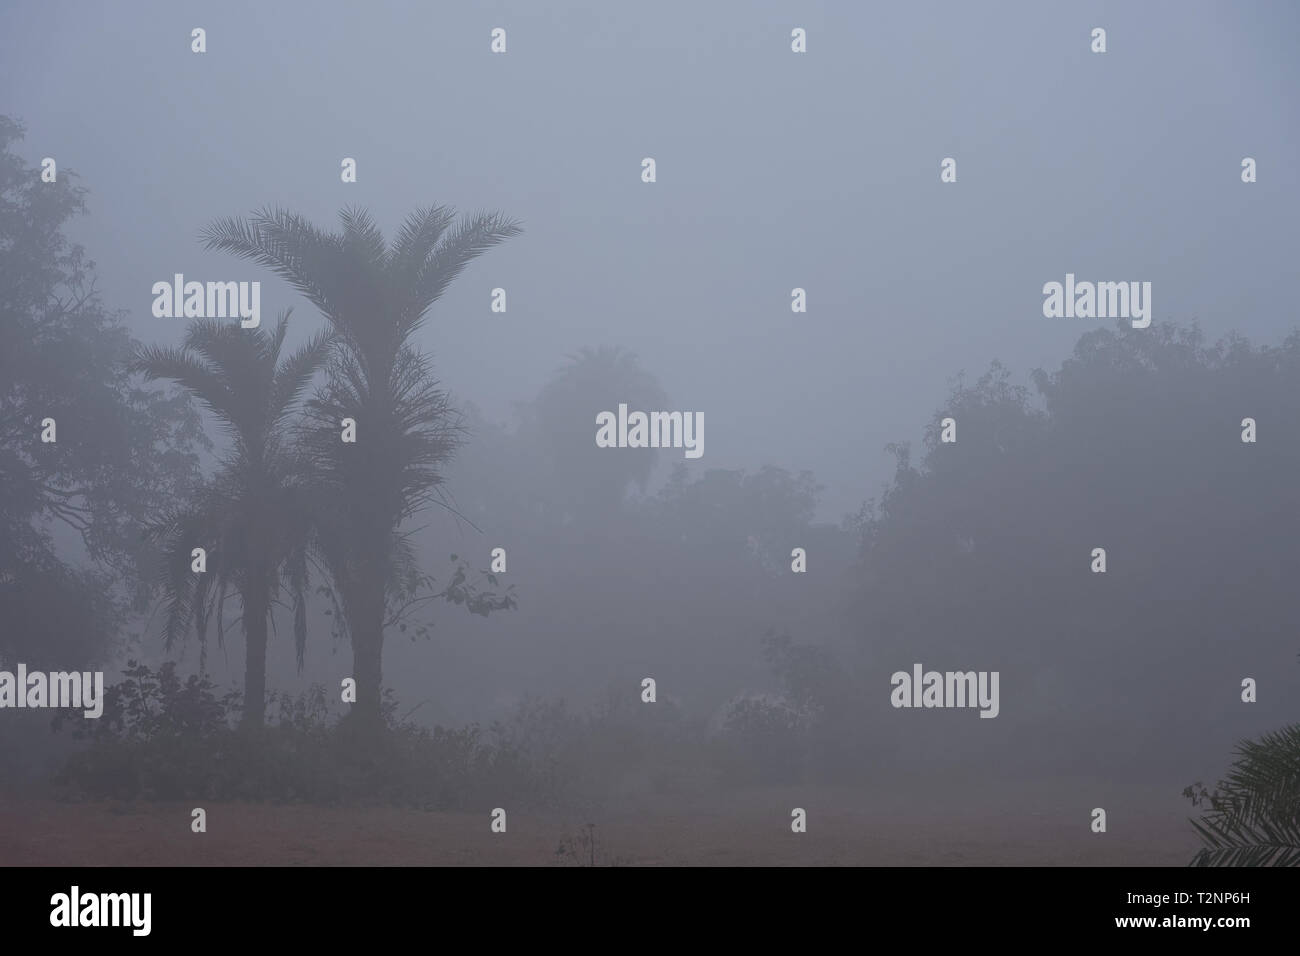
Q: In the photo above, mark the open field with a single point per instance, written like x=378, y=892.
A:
x=1031, y=824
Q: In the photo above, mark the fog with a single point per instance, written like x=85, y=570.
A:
x=774, y=171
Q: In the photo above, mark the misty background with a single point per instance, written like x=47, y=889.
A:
x=774, y=171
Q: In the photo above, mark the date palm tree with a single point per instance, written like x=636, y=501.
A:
x=376, y=296
x=251, y=518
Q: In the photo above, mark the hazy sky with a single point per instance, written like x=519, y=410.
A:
x=775, y=170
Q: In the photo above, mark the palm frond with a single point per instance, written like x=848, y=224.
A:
x=296, y=577
x=287, y=244
x=415, y=240
x=470, y=239
x=295, y=374
x=190, y=372
x=362, y=238
x=275, y=341
x=1254, y=814
x=1259, y=844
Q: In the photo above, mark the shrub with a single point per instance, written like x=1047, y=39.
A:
x=762, y=740
x=161, y=738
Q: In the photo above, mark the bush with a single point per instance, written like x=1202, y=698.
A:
x=762, y=740
x=618, y=748
x=161, y=738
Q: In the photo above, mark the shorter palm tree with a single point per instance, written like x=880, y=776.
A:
x=250, y=518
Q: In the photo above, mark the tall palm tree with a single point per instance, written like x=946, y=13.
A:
x=251, y=518
x=376, y=296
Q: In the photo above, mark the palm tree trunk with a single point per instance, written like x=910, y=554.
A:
x=366, y=625
x=257, y=606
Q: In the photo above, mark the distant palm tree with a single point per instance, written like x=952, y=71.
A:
x=376, y=296
x=252, y=517
x=593, y=481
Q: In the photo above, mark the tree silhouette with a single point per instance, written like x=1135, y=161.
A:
x=252, y=518
x=376, y=296
x=983, y=548
x=119, y=448
x=592, y=480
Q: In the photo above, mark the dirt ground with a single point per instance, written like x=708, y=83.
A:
x=1027, y=824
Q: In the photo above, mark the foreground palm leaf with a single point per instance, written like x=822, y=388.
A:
x=1254, y=815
